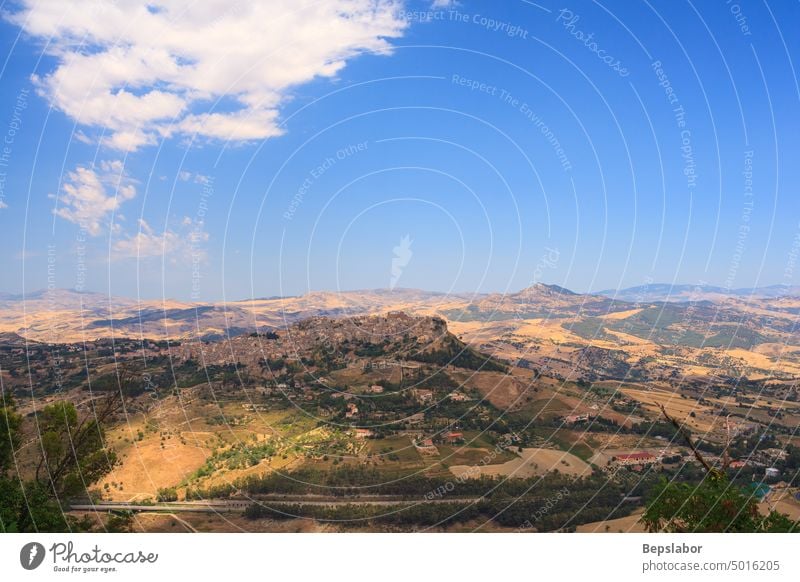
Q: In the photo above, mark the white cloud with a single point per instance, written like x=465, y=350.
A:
x=90, y=195
x=26, y=254
x=80, y=136
x=186, y=176
x=143, y=71
x=3, y=204
x=438, y=4
x=184, y=245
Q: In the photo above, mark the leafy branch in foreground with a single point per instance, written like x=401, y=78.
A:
x=72, y=455
x=713, y=505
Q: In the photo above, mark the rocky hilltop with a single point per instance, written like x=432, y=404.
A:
x=536, y=301
x=394, y=334
x=546, y=327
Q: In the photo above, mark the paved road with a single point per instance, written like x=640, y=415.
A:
x=237, y=506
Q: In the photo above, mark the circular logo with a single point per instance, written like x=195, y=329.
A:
x=31, y=555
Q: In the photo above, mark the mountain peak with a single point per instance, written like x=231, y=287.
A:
x=544, y=289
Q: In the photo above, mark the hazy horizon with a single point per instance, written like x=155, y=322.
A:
x=644, y=287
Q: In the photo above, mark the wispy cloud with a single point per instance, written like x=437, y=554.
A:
x=26, y=254
x=91, y=194
x=139, y=72
x=184, y=244
x=197, y=178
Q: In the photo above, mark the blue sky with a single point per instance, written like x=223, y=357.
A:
x=245, y=154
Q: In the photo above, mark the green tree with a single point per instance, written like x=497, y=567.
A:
x=714, y=505
x=119, y=522
x=10, y=493
x=72, y=456
x=167, y=494
x=73, y=450
x=10, y=422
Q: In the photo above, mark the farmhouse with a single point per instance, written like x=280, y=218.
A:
x=642, y=458
x=417, y=418
x=426, y=447
x=422, y=396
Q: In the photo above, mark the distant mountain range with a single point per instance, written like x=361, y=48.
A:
x=68, y=316
x=653, y=332
x=680, y=293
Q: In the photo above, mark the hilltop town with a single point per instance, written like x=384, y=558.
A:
x=400, y=405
